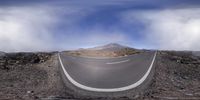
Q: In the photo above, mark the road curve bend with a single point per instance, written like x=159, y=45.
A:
x=107, y=75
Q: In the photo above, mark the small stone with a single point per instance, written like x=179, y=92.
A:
x=29, y=92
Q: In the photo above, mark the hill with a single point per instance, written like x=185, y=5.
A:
x=109, y=50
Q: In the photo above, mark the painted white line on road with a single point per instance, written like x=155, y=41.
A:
x=104, y=89
x=110, y=63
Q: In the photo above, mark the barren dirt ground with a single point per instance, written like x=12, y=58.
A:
x=37, y=76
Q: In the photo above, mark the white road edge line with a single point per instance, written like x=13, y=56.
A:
x=107, y=90
x=110, y=63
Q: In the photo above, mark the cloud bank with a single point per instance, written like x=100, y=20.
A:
x=171, y=29
x=25, y=29
x=58, y=27
x=34, y=28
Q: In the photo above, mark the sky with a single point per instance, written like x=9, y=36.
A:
x=56, y=25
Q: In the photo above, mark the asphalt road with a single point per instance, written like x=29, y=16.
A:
x=109, y=73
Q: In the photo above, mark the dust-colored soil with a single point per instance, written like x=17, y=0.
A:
x=177, y=76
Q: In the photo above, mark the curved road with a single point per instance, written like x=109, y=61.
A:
x=107, y=75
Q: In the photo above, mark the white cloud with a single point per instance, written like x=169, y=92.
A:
x=32, y=28
x=25, y=29
x=175, y=29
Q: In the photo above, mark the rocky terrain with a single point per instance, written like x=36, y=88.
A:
x=177, y=76
x=29, y=76
x=36, y=76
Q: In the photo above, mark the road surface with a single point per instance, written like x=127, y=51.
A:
x=107, y=75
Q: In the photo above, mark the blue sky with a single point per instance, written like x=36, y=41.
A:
x=68, y=24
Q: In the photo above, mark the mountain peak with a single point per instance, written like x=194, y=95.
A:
x=110, y=46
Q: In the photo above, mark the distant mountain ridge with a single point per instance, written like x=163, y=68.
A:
x=110, y=47
x=109, y=50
